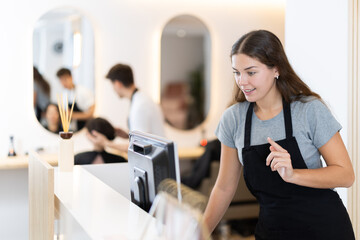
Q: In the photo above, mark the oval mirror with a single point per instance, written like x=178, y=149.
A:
x=63, y=66
x=185, y=72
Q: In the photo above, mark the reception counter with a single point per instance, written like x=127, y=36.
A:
x=88, y=208
x=14, y=188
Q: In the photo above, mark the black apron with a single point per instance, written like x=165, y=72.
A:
x=289, y=211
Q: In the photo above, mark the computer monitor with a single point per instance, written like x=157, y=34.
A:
x=151, y=159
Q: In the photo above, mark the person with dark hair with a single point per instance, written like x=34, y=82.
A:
x=63, y=72
x=277, y=132
x=98, y=155
x=84, y=99
x=201, y=169
x=52, y=118
x=144, y=114
x=41, y=94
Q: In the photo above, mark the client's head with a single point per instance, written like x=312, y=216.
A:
x=102, y=126
x=52, y=117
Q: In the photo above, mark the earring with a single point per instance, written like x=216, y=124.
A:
x=277, y=77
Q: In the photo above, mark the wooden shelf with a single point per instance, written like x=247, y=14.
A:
x=23, y=161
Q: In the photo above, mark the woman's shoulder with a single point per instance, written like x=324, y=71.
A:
x=307, y=103
x=237, y=108
x=310, y=110
x=235, y=113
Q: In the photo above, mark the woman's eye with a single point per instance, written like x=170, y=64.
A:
x=236, y=74
x=251, y=73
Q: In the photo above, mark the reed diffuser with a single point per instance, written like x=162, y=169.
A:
x=66, y=150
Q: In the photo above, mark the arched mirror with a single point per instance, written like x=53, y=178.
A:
x=185, y=72
x=63, y=61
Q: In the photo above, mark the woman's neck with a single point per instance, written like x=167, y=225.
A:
x=269, y=107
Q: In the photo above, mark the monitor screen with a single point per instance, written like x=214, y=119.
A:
x=151, y=159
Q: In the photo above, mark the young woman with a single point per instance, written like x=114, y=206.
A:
x=52, y=118
x=41, y=94
x=277, y=131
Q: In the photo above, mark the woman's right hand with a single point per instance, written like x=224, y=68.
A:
x=280, y=160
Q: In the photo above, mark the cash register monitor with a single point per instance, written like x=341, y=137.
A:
x=151, y=159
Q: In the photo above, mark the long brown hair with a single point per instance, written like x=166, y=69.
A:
x=265, y=47
x=43, y=84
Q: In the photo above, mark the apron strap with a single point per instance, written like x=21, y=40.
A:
x=287, y=119
x=248, y=125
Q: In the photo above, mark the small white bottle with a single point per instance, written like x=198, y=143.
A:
x=66, y=152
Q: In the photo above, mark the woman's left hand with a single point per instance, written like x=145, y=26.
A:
x=279, y=160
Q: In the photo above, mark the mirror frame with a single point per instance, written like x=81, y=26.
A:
x=207, y=72
x=80, y=25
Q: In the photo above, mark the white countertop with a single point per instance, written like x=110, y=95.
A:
x=115, y=175
x=100, y=211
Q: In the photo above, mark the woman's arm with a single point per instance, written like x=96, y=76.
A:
x=225, y=187
x=84, y=115
x=338, y=172
x=100, y=140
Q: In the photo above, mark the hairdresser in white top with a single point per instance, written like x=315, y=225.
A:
x=85, y=101
x=144, y=114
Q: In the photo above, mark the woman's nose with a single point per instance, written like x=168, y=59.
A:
x=241, y=80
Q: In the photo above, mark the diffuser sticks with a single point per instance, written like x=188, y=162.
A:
x=65, y=115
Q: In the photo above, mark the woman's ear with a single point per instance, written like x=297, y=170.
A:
x=276, y=71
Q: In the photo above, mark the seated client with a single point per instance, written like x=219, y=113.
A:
x=98, y=155
x=52, y=120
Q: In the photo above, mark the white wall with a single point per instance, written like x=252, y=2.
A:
x=125, y=31
x=316, y=36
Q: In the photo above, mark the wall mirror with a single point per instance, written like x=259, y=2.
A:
x=185, y=72
x=63, y=39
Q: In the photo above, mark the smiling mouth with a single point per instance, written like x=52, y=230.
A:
x=249, y=90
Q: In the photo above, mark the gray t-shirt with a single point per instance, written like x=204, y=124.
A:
x=313, y=126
